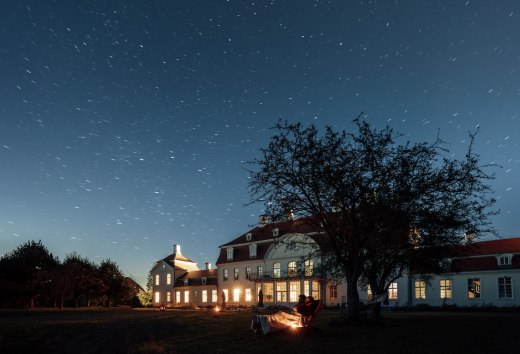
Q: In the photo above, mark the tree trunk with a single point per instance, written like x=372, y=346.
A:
x=352, y=297
x=376, y=310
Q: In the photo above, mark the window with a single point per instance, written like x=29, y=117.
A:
x=248, y=273
x=225, y=274
x=229, y=254
x=392, y=291
x=474, y=288
x=291, y=269
x=157, y=297
x=505, y=288
x=276, y=270
x=294, y=289
x=249, y=297
x=168, y=279
x=214, y=295
x=204, y=280
x=252, y=250
x=204, y=296
x=236, y=295
x=186, y=282
x=445, y=286
x=260, y=271
x=420, y=289
x=178, y=297
x=333, y=293
x=236, y=273
x=504, y=261
x=157, y=277
x=195, y=295
x=281, y=292
x=276, y=231
x=249, y=236
x=168, y=296
x=307, y=287
x=309, y=268
x=315, y=290
x=186, y=296
x=369, y=292
x=268, y=292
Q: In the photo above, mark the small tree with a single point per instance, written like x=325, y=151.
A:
x=145, y=296
x=375, y=203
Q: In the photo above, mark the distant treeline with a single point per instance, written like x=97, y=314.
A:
x=31, y=276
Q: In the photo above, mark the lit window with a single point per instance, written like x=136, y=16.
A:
x=214, y=295
x=420, y=289
x=315, y=290
x=226, y=294
x=307, y=287
x=334, y=293
x=157, y=277
x=178, y=297
x=195, y=295
x=186, y=296
x=168, y=296
x=252, y=250
x=168, y=279
x=446, y=288
x=204, y=296
x=230, y=254
x=236, y=295
x=281, y=292
x=157, y=297
x=474, y=288
x=268, y=292
x=505, y=288
x=225, y=274
x=248, y=295
x=294, y=289
x=235, y=272
x=392, y=291
x=248, y=273
x=291, y=269
x=309, y=267
x=260, y=271
x=276, y=270
x=369, y=292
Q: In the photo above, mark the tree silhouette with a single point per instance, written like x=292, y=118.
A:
x=376, y=204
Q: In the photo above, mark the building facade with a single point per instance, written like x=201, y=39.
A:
x=276, y=260
x=177, y=281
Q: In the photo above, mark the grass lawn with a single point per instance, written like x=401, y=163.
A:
x=185, y=331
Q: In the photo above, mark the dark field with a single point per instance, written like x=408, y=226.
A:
x=183, y=331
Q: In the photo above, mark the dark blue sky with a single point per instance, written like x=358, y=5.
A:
x=125, y=125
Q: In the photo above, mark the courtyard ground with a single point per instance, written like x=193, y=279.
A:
x=190, y=331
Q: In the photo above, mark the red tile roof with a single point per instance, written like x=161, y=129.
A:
x=503, y=245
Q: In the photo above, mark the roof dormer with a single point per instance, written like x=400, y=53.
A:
x=249, y=236
x=505, y=260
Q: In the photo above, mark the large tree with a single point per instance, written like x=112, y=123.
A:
x=27, y=271
x=378, y=204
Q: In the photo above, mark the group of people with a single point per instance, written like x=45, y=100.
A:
x=303, y=310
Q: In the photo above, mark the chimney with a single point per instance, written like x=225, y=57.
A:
x=177, y=249
x=208, y=266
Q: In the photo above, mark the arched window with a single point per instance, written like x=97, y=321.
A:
x=276, y=270
x=309, y=265
x=291, y=269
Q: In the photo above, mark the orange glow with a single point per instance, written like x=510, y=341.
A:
x=217, y=309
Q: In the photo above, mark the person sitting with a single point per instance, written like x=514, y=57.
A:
x=282, y=320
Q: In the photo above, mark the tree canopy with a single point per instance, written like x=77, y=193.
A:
x=379, y=204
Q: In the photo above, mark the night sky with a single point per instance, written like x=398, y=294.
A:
x=126, y=126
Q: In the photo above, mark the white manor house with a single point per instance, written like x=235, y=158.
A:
x=488, y=275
